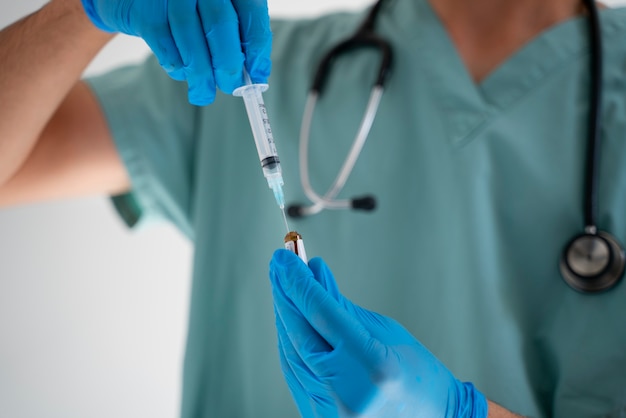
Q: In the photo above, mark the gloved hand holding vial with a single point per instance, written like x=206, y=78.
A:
x=341, y=360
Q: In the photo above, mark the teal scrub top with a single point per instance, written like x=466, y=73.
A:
x=479, y=188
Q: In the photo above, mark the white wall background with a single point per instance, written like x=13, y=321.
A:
x=92, y=316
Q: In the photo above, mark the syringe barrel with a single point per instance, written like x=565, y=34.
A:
x=259, y=122
x=263, y=138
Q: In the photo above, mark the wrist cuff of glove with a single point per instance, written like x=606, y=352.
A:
x=471, y=403
x=91, y=13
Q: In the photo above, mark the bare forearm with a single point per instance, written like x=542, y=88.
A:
x=496, y=411
x=42, y=56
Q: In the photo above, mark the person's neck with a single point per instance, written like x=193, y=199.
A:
x=487, y=32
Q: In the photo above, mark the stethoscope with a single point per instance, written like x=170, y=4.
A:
x=591, y=262
x=365, y=37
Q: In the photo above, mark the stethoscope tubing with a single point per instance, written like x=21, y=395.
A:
x=327, y=201
x=365, y=37
x=591, y=197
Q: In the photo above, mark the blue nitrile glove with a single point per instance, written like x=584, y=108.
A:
x=342, y=360
x=201, y=41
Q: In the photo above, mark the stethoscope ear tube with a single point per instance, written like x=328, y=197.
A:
x=363, y=40
x=364, y=37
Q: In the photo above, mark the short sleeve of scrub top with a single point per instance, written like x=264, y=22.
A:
x=154, y=130
x=479, y=187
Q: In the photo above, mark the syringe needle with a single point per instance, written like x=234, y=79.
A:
x=285, y=218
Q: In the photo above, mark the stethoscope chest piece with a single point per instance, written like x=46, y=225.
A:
x=593, y=262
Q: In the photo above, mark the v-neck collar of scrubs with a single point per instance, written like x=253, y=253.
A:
x=469, y=106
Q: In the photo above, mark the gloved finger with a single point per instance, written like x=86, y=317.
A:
x=328, y=317
x=289, y=360
x=166, y=52
x=301, y=334
x=311, y=395
x=159, y=39
x=256, y=37
x=221, y=28
x=325, y=277
x=189, y=37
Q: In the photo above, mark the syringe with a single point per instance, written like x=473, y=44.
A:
x=262, y=132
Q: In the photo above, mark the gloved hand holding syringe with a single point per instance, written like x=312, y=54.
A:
x=263, y=138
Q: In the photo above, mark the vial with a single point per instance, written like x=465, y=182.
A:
x=294, y=243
